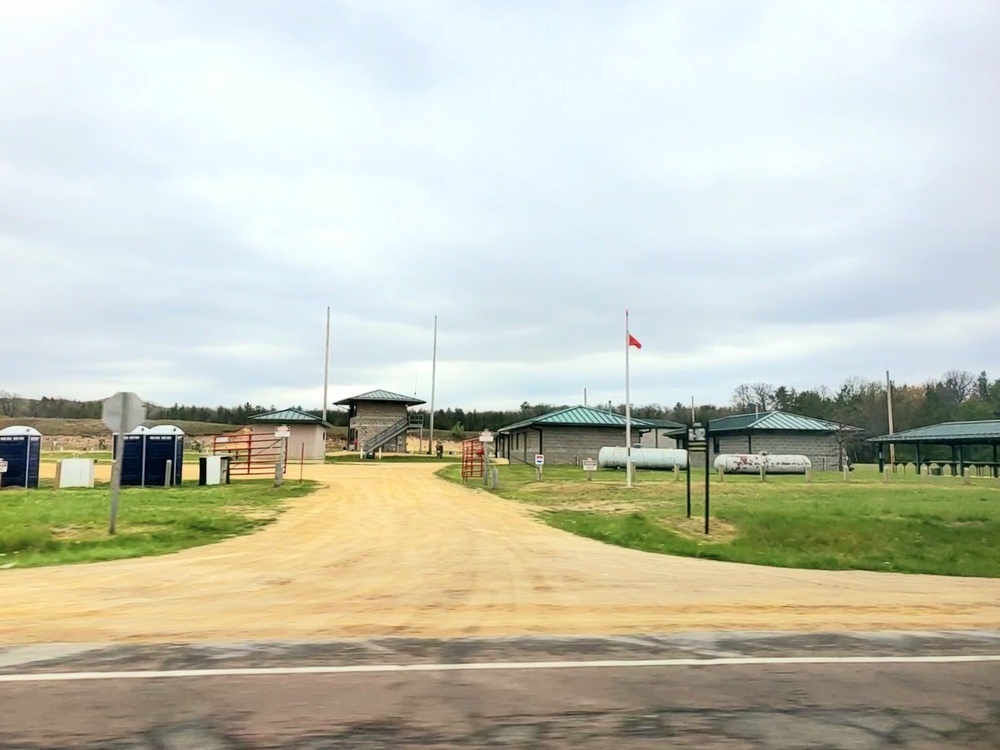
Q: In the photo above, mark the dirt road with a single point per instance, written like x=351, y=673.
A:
x=392, y=550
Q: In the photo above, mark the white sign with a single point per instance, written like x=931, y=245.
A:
x=3, y=466
x=589, y=464
x=283, y=431
x=123, y=412
x=696, y=435
x=539, y=459
x=354, y=423
x=485, y=436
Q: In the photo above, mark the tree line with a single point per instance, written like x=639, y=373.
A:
x=957, y=395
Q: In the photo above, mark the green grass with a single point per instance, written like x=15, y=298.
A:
x=409, y=458
x=51, y=527
x=908, y=525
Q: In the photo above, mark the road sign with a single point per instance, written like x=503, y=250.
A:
x=354, y=422
x=283, y=431
x=696, y=435
x=3, y=466
x=123, y=412
x=589, y=464
x=539, y=459
x=485, y=436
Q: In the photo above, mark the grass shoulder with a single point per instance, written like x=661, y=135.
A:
x=396, y=458
x=940, y=526
x=53, y=527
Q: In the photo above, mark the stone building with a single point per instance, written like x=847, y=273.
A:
x=380, y=420
x=567, y=436
x=780, y=433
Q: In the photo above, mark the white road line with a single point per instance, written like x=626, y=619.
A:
x=483, y=666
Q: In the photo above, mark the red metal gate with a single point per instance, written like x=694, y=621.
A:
x=251, y=453
x=472, y=458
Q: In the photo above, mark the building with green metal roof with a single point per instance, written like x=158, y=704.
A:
x=777, y=432
x=307, y=432
x=960, y=437
x=380, y=420
x=287, y=416
x=569, y=435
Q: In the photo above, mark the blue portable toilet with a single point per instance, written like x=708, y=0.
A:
x=164, y=443
x=147, y=450
x=114, y=439
x=134, y=456
x=21, y=448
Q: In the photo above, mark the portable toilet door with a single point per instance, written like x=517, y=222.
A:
x=164, y=443
x=140, y=430
x=133, y=457
x=21, y=448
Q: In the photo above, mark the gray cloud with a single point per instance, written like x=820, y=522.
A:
x=778, y=191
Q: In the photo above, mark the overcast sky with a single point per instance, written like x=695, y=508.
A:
x=794, y=192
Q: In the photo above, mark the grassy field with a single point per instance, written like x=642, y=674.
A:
x=909, y=525
x=353, y=458
x=51, y=527
x=96, y=428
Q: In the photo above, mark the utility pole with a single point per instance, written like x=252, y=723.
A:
x=326, y=364
x=430, y=442
x=888, y=404
x=584, y=396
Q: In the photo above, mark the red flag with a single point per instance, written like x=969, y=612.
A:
x=633, y=341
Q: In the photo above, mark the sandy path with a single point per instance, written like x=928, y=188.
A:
x=392, y=550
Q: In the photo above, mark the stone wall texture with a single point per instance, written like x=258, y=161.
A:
x=822, y=450
x=375, y=416
x=564, y=445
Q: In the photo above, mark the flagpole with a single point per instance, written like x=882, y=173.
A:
x=888, y=404
x=326, y=364
x=628, y=412
x=430, y=442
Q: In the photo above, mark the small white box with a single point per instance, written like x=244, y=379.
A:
x=213, y=469
x=76, y=472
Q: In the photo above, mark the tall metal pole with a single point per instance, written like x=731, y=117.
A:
x=326, y=364
x=430, y=441
x=116, y=470
x=687, y=470
x=584, y=396
x=628, y=412
x=888, y=403
x=708, y=476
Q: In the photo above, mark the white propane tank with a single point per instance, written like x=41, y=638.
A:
x=643, y=458
x=750, y=463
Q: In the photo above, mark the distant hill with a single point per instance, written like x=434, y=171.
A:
x=51, y=427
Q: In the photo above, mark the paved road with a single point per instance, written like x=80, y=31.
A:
x=393, y=550
x=48, y=696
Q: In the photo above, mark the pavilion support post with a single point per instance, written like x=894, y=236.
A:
x=918, y=459
x=996, y=473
